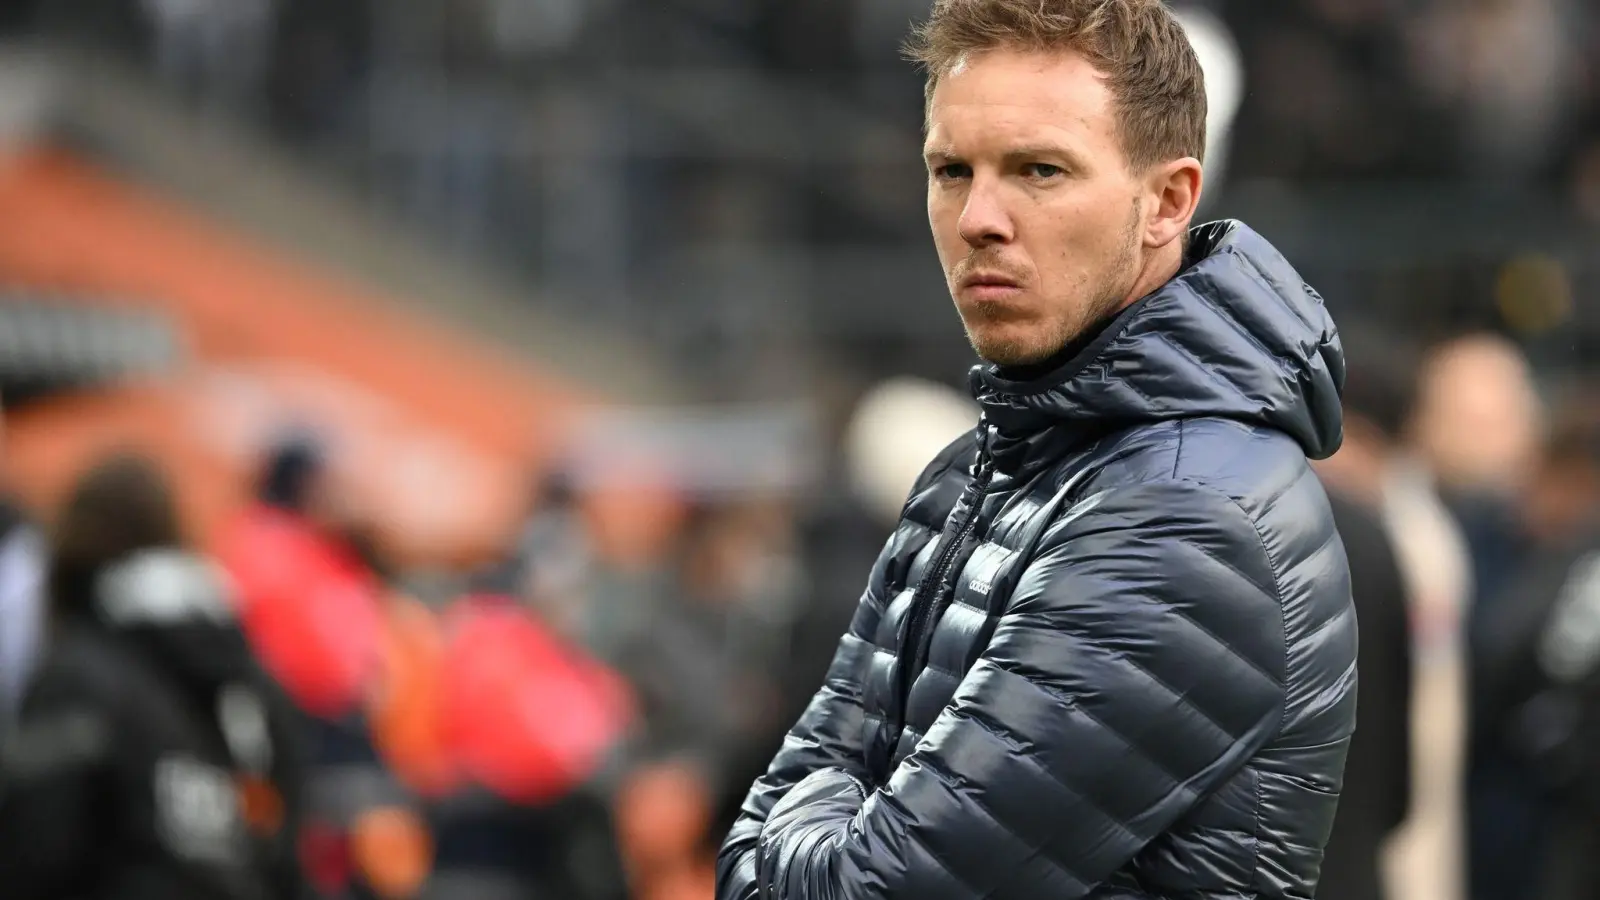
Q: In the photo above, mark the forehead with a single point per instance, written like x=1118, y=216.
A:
x=1002, y=96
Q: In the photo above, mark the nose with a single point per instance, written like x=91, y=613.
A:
x=984, y=220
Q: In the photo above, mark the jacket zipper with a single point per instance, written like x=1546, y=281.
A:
x=932, y=586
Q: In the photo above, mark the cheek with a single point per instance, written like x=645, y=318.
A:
x=1081, y=235
x=944, y=220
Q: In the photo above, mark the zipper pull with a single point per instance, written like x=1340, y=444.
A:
x=983, y=466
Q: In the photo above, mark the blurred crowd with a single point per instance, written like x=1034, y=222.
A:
x=1499, y=89
x=730, y=177
x=549, y=724
x=543, y=724
x=738, y=179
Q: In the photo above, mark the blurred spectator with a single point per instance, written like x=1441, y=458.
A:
x=310, y=603
x=1536, y=714
x=312, y=597
x=553, y=565
x=531, y=724
x=1424, y=860
x=1478, y=428
x=152, y=759
x=1377, y=778
x=706, y=656
x=1382, y=493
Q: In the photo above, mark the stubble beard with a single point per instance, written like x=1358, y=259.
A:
x=1108, y=296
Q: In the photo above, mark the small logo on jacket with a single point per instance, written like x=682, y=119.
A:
x=979, y=585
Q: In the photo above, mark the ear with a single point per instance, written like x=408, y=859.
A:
x=1172, y=193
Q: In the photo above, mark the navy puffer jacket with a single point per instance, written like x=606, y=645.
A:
x=1109, y=651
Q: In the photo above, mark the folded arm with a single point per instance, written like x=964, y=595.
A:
x=1139, y=664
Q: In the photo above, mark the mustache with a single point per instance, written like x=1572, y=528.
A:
x=987, y=262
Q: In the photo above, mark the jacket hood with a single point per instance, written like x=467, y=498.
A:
x=1237, y=334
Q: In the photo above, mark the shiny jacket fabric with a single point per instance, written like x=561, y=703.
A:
x=1109, y=651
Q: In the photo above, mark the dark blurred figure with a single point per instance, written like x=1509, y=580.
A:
x=1536, y=714
x=1478, y=426
x=311, y=602
x=532, y=724
x=553, y=565
x=152, y=758
x=1377, y=775
x=707, y=658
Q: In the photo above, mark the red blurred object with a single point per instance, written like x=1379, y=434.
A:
x=326, y=857
x=526, y=714
x=311, y=609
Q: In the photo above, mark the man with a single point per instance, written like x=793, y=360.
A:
x=1109, y=650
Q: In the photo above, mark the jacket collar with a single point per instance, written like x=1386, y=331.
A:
x=1236, y=334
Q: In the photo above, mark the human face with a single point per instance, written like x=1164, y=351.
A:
x=1036, y=214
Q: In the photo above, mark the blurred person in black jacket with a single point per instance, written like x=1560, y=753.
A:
x=1377, y=780
x=152, y=758
x=1536, y=675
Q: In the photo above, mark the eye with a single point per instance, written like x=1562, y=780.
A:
x=1042, y=171
x=952, y=171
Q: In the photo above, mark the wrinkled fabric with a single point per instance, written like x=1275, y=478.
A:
x=1109, y=650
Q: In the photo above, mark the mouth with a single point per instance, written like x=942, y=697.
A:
x=989, y=287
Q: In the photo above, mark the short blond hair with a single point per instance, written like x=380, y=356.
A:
x=1147, y=60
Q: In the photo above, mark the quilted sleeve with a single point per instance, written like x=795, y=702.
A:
x=828, y=737
x=1140, y=662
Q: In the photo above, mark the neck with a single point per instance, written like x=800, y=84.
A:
x=1159, y=268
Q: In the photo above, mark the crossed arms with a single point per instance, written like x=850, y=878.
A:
x=1139, y=663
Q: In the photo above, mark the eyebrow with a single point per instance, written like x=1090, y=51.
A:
x=1018, y=154
x=1025, y=154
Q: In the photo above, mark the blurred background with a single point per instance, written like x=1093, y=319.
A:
x=545, y=374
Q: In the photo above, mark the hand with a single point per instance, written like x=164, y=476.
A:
x=823, y=800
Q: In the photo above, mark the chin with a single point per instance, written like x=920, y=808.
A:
x=1009, y=349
